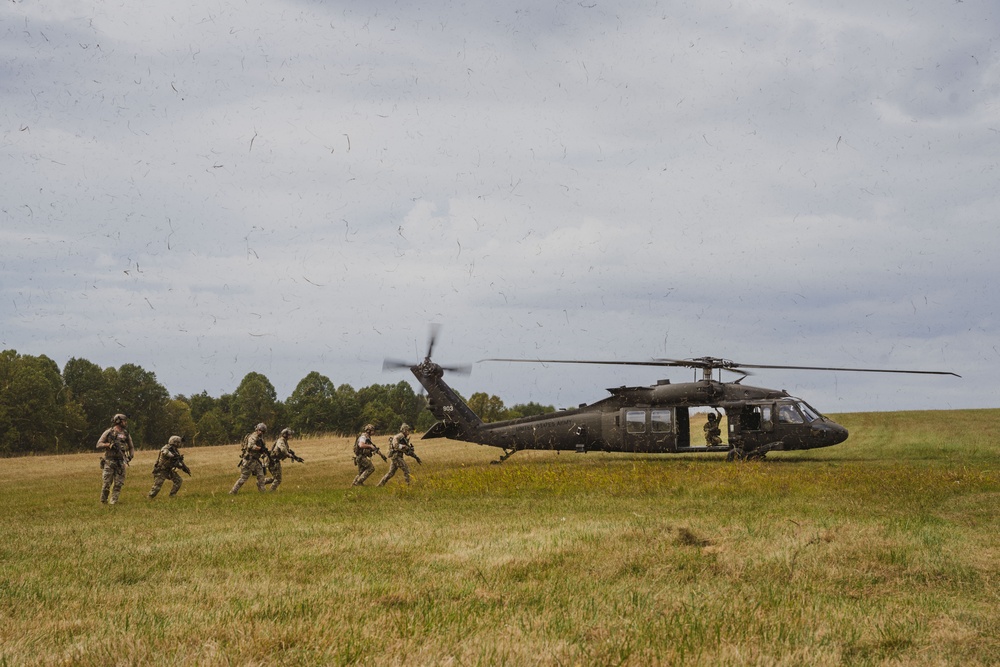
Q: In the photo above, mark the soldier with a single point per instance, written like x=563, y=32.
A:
x=118, y=451
x=168, y=460
x=279, y=453
x=398, y=447
x=254, y=449
x=712, y=431
x=364, y=449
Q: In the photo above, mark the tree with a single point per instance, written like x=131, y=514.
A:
x=489, y=408
x=348, y=411
x=312, y=406
x=425, y=420
x=89, y=387
x=254, y=401
x=381, y=415
x=138, y=395
x=212, y=429
x=36, y=413
x=531, y=409
x=201, y=403
x=178, y=416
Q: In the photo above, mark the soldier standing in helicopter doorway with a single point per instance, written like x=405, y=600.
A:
x=118, y=451
x=713, y=430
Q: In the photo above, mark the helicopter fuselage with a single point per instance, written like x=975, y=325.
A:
x=652, y=419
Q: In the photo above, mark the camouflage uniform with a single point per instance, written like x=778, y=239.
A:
x=364, y=449
x=712, y=431
x=398, y=447
x=166, y=466
x=119, y=450
x=250, y=463
x=279, y=453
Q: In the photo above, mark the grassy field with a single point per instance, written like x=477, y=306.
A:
x=881, y=551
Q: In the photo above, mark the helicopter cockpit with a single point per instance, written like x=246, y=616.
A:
x=784, y=423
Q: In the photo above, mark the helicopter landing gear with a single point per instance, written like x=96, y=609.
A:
x=740, y=455
x=506, y=455
x=758, y=454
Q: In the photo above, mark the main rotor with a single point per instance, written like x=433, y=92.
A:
x=709, y=365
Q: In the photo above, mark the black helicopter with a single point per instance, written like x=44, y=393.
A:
x=654, y=420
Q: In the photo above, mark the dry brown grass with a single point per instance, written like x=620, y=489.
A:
x=546, y=559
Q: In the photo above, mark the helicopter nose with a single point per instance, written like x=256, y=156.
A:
x=836, y=433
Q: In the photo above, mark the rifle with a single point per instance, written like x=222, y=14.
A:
x=293, y=456
x=379, y=452
x=409, y=451
x=182, y=465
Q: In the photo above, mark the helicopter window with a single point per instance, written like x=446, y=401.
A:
x=787, y=414
x=659, y=421
x=635, y=421
x=811, y=415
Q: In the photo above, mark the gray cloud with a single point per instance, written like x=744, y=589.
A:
x=291, y=187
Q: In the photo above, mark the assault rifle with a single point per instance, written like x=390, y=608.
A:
x=182, y=465
x=409, y=451
x=273, y=454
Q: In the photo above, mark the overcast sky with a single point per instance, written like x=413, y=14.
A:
x=212, y=188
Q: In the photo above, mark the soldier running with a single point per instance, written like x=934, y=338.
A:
x=364, y=449
x=118, y=451
x=398, y=447
x=254, y=449
x=167, y=462
x=279, y=453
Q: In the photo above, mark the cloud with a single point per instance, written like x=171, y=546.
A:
x=288, y=187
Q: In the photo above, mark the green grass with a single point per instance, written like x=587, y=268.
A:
x=880, y=551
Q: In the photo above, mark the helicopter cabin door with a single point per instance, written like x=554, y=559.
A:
x=648, y=430
x=755, y=426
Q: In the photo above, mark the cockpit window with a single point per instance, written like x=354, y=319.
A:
x=810, y=414
x=787, y=414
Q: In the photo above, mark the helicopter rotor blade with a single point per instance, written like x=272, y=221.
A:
x=394, y=364
x=432, y=339
x=850, y=370
x=724, y=364
x=463, y=369
x=657, y=362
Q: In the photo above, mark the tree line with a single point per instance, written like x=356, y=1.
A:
x=45, y=410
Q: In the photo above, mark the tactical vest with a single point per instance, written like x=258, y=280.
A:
x=166, y=463
x=119, y=445
x=357, y=445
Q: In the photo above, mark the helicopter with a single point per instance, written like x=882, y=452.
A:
x=652, y=420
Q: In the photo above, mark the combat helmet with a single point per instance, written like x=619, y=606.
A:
x=175, y=440
x=261, y=427
x=119, y=419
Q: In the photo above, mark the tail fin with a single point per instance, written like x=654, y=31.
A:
x=456, y=420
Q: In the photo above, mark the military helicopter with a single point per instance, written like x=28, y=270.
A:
x=653, y=420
